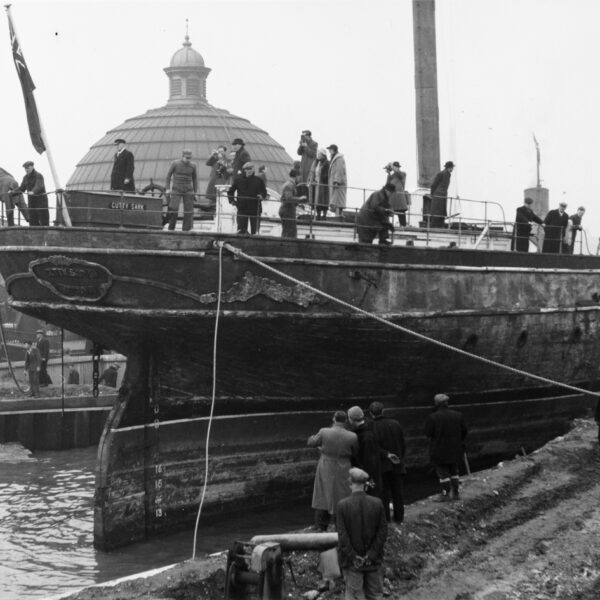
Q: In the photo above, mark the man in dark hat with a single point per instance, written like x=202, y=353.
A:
x=307, y=150
x=182, y=186
x=522, y=228
x=446, y=431
x=240, y=158
x=390, y=439
x=555, y=226
x=33, y=185
x=438, y=210
x=250, y=191
x=362, y=531
x=43, y=345
x=121, y=177
x=373, y=220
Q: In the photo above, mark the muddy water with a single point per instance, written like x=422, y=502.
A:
x=46, y=527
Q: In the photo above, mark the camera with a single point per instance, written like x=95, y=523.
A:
x=388, y=167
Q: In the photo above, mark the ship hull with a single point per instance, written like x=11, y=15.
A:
x=189, y=313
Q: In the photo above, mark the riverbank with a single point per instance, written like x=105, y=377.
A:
x=527, y=529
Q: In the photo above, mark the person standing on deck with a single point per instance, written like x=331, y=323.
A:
x=250, y=191
x=390, y=439
x=439, y=197
x=121, y=177
x=32, y=367
x=338, y=181
x=43, y=345
x=182, y=186
x=400, y=200
x=33, y=184
x=522, y=227
x=218, y=164
x=318, y=180
x=446, y=431
x=362, y=531
x=240, y=157
x=287, y=210
x=573, y=227
x=337, y=446
x=373, y=218
x=307, y=150
x=555, y=225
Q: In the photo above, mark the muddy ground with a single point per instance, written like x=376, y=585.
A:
x=528, y=529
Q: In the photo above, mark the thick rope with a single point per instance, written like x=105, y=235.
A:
x=240, y=253
x=214, y=395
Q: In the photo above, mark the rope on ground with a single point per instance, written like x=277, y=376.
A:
x=10, y=368
x=214, y=395
x=240, y=253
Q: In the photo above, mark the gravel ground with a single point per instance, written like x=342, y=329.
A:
x=528, y=529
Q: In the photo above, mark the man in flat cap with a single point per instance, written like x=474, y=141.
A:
x=33, y=184
x=337, y=446
x=182, y=186
x=437, y=210
x=522, y=228
x=121, y=177
x=247, y=194
x=369, y=452
x=362, y=531
x=240, y=158
x=555, y=226
x=446, y=431
x=43, y=345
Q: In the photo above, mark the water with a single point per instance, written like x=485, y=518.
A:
x=46, y=527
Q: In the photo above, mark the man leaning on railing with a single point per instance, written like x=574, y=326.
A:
x=373, y=219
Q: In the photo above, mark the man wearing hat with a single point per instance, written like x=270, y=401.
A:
x=247, y=193
x=573, y=228
x=43, y=345
x=182, y=186
x=121, y=177
x=362, y=531
x=439, y=196
x=338, y=181
x=522, y=228
x=240, y=158
x=373, y=220
x=110, y=375
x=307, y=150
x=446, y=431
x=369, y=452
x=400, y=201
x=33, y=185
x=337, y=446
x=555, y=226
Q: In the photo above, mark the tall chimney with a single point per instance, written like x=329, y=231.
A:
x=428, y=134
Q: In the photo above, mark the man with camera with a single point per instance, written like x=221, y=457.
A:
x=307, y=150
x=374, y=217
x=218, y=163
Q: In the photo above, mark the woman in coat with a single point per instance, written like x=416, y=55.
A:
x=338, y=181
x=318, y=180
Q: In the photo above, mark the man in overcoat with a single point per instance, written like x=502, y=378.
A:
x=240, y=158
x=33, y=184
x=121, y=177
x=522, y=228
x=362, y=531
x=439, y=196
x=43, y=345
x=390, y=439
x=32, y=368
x=369, y=452
x=307, y=150
x=555, y=226
x=373, y=220
x=337, y=446
x=338, y=180
x=246, y=194
x=446, y=431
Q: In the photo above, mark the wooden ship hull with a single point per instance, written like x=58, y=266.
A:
x=285, y=357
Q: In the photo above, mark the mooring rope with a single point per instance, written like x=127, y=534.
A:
x=241, y=253
x=214, y=395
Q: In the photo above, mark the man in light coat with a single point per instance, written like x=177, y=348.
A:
x=337, y=446
x=338, y=181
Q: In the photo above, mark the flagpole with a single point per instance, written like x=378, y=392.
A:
x=57, y=186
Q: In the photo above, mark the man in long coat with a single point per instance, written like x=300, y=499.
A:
x=32, y=368
x=240, y=157
x=121, y=177
x=446, y=431
x=555, y=226
x=338, y=180
x=318, y=180
x=33, y=184
x=522, y=228
x=246, y=194
x=337, y=446
x=439, y=196
x=373, y=220
x=307, y=150
x=43, y=345
x=362, y=531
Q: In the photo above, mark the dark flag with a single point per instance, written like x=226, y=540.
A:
x=33, y=119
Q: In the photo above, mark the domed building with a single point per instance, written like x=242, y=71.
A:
x=158, y=136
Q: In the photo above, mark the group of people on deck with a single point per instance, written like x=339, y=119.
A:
x=35, y=210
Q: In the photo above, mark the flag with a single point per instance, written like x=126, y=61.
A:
x=33, y=119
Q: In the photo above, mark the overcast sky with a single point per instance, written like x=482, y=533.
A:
x=343, y=69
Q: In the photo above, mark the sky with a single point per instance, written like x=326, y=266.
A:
x=342, y=68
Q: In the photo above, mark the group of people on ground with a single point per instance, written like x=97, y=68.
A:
x=560, y=229
x=358, y=482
